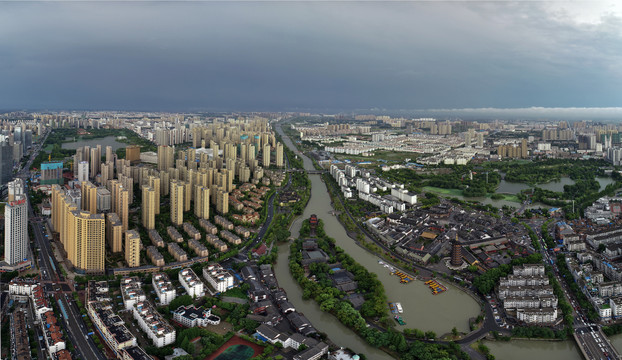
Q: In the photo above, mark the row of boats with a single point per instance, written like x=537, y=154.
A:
x=436, y=287
x=396, y=308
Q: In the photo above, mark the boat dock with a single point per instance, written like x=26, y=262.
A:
x=436, y=287
x=404, y=278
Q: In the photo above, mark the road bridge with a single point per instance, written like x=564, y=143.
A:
x=593, y=343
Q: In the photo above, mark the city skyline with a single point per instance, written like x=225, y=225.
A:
x=321, y=56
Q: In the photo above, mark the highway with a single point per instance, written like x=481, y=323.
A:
x=53, y=280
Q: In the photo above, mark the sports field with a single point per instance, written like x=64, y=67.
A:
x=236, y=349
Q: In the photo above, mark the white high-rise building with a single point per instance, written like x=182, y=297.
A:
x=16, y=230
x=83, y=171
x=16, y=187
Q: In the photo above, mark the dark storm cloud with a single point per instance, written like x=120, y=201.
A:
x=304, y=55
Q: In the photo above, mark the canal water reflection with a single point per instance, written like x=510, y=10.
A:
x=422, y=310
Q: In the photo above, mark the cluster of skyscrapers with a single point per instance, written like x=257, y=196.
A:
x=192, y=179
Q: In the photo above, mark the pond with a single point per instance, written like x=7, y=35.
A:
x=105, y=141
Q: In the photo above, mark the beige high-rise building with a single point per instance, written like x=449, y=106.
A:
x=166, y=157
x=85, y=236
x=245, y=174
x=132, y=153
x=523, y=148
x=266, y=156
x=154, y=182
x=114, y=186
x=148, y=207
x=89, y=197
x=56, y=206
x=123, y=205
x=165, y=183
x=279, y=155
x=128, y=184
x=95, y=161
x=109, y=153
x=221, y=179
x=132, y=248
x=177, y=202
x=107, y=172
x=192, y=159
x=187, y=195
x=114, y=232
x=201, y=202
x=243, y=152
x=222, y=201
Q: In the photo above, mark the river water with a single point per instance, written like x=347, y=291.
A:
x=533, y=349
x=422, y=310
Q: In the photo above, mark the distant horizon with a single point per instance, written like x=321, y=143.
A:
x=606, y=114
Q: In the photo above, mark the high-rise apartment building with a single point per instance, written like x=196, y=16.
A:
x=83, y=171
x=177, y=202
x=16, y=187
x=132, y=153
x=85, y=239
x=222, y=201
x=107, y=172
x=123, y=206
x=148, y=207
x=166, y=157
x=16, y=230
x=154, y=182
x=201, y=202
x=132, y=248
x=95, y=160
x=266, y=155
x=279, y=155
x=109, y=153
x=6, y=160
x=114, y=232
x=89, y=197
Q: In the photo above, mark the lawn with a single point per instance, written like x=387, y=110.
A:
x=458, y=193
x=442, y=191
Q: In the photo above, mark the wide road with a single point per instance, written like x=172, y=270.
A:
x=85, y=349
x=594, y=344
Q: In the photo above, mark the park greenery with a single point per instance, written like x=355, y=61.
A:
x=374, y=308
x=544, y=171
x=57, y=137
x=329, y=297
x=470, y=181
x=483, y=180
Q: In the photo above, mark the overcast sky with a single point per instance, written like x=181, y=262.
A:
x=323, y=56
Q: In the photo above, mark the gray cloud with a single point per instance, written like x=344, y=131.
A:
x=305, y=55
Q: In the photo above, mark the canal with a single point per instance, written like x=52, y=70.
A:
x=534, y=349
x=422, y=310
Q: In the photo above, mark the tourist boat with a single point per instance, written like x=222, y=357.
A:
x=399, y=320
x=393, y=308
x=398, y=306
